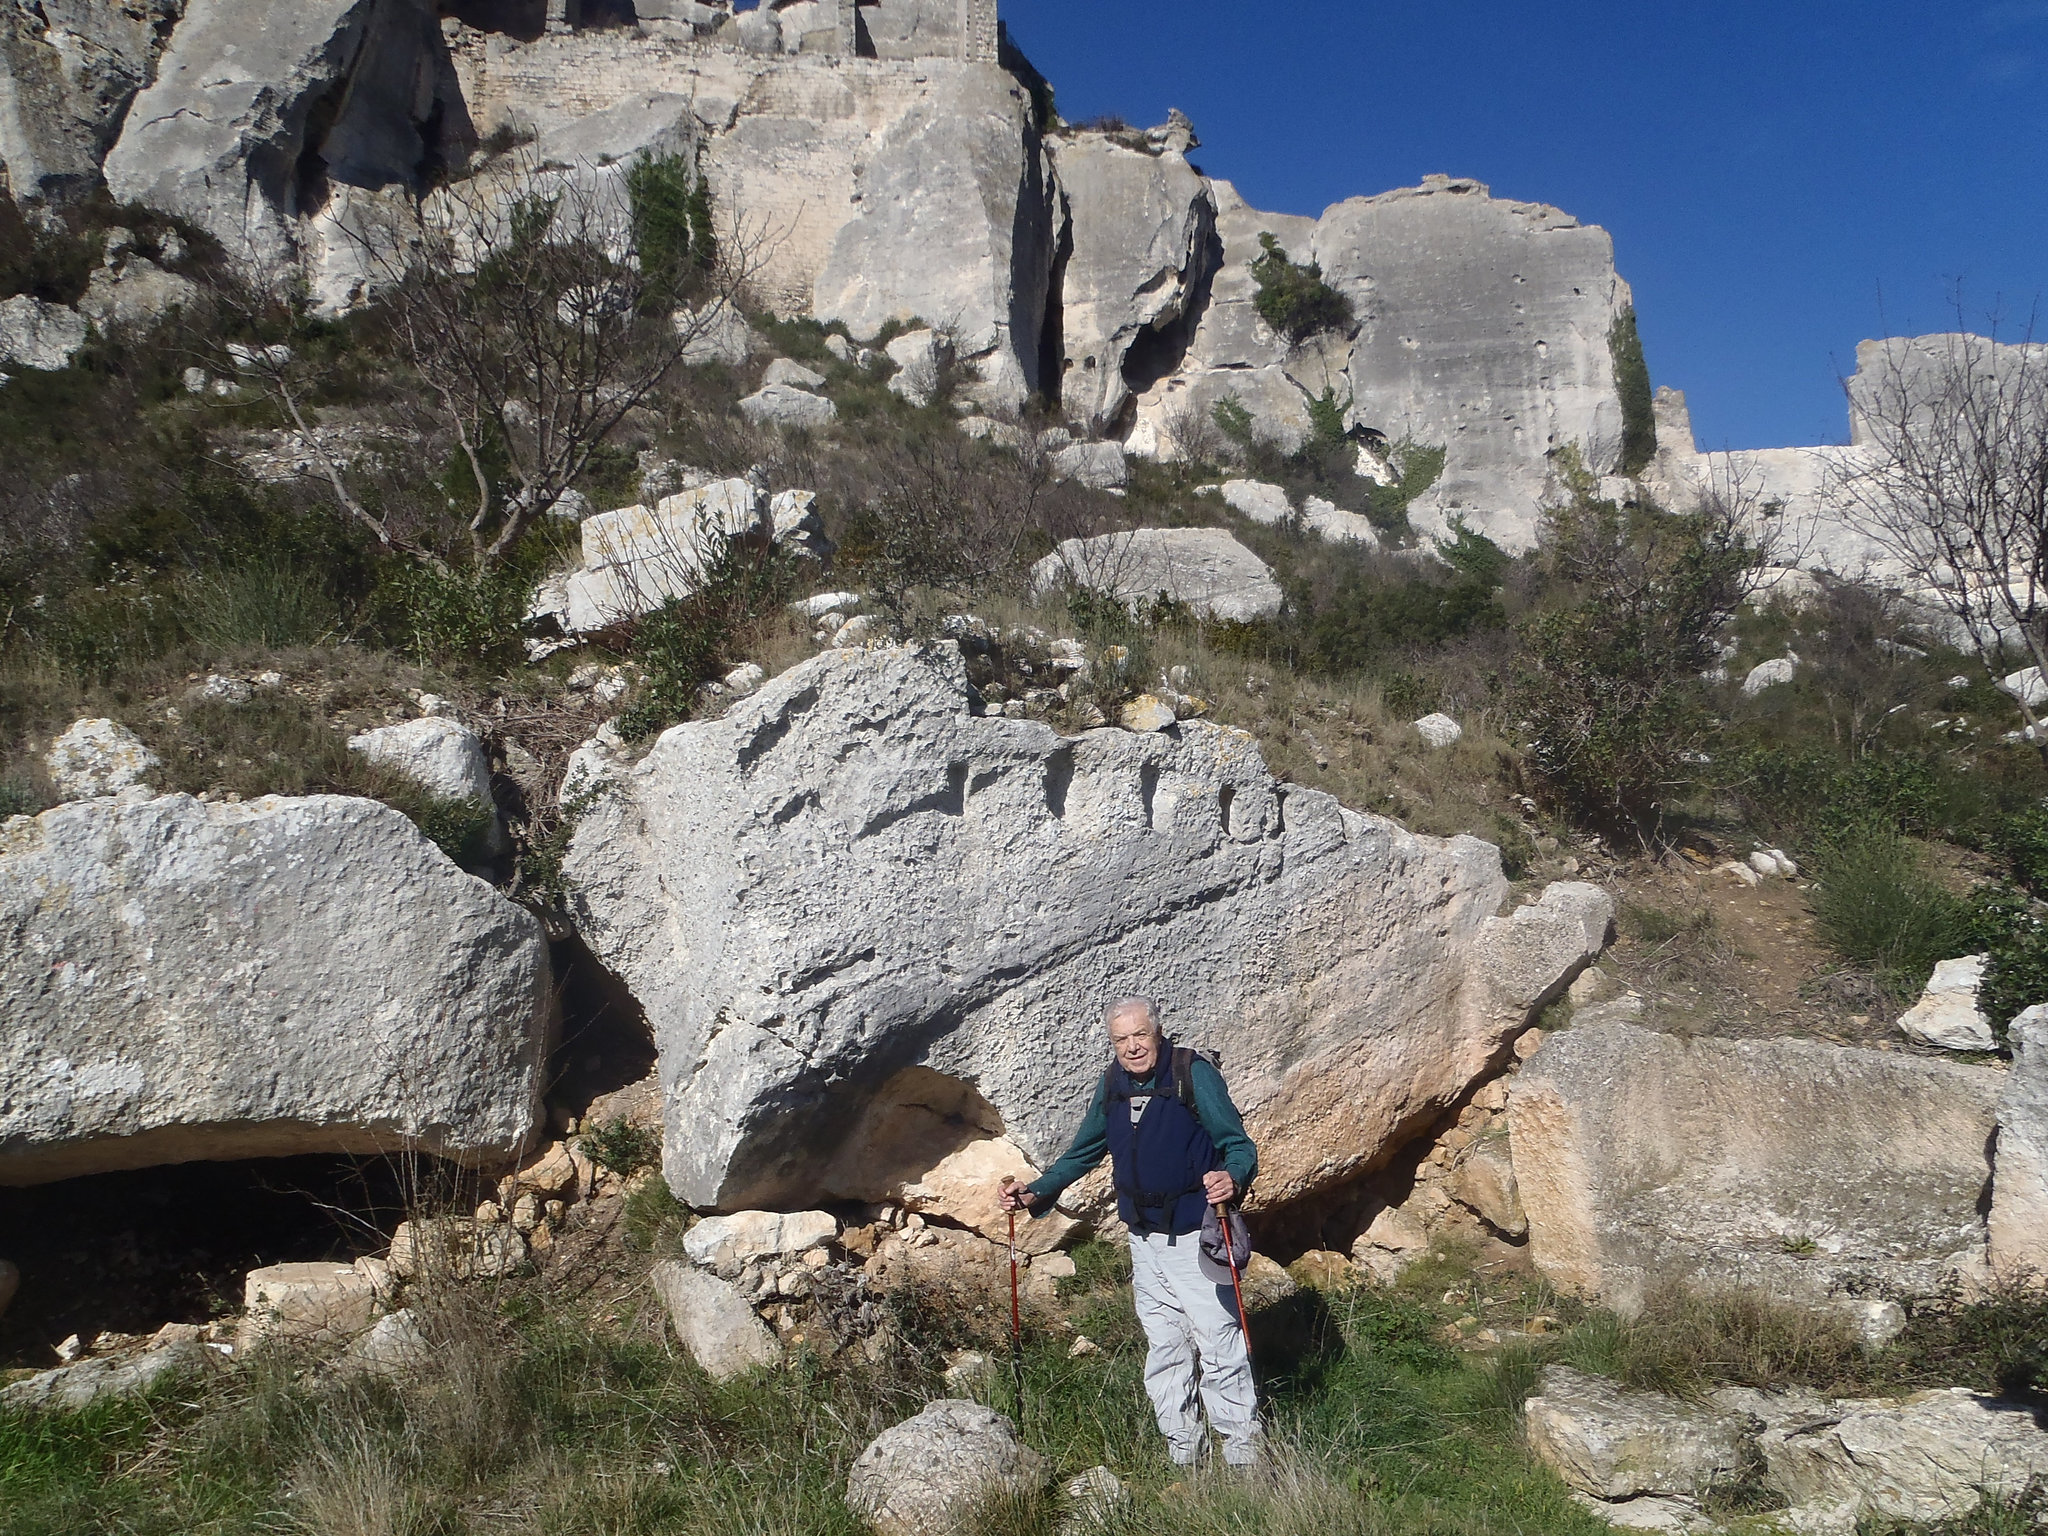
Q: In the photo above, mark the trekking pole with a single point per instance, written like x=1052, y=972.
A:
x=1230, y=1257
x=1016, y=1326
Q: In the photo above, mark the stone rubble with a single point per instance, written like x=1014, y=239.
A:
x=97, y=757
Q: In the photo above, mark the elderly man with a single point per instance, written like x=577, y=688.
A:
x=1175, y=1147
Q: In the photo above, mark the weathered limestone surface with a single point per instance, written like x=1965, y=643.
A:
x=97, y=757
x=1801, y=1167
x=1616, y=1444
x=1203, y=567
x=2019, y=1194
x=1483, y=327
x=72, y=1388
x=849, y=874
x=714, y=1322
x=927, y=1475
x=68, y=70
x=37, y=334
x=1932, y=1457
x=245, y=93
x=1140, y=236
x=181, y=980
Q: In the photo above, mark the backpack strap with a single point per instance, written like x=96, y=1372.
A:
x=1184, y=1076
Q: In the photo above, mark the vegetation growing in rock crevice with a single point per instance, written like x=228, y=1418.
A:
x=1638, y=404
x=1294, y=299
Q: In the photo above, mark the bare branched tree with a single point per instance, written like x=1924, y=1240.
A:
x=1953, y=484
x=538, y=306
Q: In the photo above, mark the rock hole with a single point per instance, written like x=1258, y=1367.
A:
x=130, y=1251
x=1159, y=350
x=1059, y=778
x=605, y=1043
x=1225, y=798
x=1148, y=788
x=907, y=1127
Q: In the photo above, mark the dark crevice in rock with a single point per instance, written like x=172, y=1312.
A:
x=605, y=1042
x=128, y=1252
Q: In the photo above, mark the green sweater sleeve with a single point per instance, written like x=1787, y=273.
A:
x=1225, y=1125
x=1089, y=1147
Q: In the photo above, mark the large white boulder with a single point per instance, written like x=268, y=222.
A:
x=919, y=357
x=442, y=756
x=1800, y=1167
x=39, y=335
x=848, y=874
x=2019, y=1192
x=1947, y=1015
x=1099, y=466
x=1203, y=567
x=636, y=558
x=1140, y=241
x=929, y=1474
x=97, y=757
x=790, y=408
x=713, y=1320
x=181, y=980
x=1257, y=500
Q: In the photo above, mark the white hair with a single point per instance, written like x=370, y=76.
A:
x=1123, y=1005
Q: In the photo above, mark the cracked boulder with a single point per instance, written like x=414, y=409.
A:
x=1809, y=1170
x=851, y=874
x=181, y=980
x=1141, y=238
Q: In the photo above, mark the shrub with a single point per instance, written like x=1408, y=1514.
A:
x=1609, y=684
x=1875, y=903
x=459, y=828
x=684, y=643
x=1294, y=300
x=1638, y=405
x=621, y=1146
x=1417, y=467
x=2022, y=843
x=265, y=605
x=436, y=613
x=672, y=229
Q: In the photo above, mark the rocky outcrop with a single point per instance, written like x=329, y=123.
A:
x=1614, y=1444
x=68, y=70
x=1934, y=1457
x=74, y=1388
x=181, y=980
x=1947, y=1016
x=39, y=335
x=927, y=1475
x=97, y=757
x=849, y=874
x=2019, y=1195
x=1807, y=1169
x=258, y=115
x=1203, y=567
x=1482, y=328
x=1139, y=247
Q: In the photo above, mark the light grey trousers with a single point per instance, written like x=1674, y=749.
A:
x=1191, y=1324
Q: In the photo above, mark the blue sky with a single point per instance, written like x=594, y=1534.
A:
x=1781, y=180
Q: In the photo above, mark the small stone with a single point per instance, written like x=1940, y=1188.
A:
x=195, y=381
x=1527, y=1042
x=1439, y=731
x=1148, y=712
x=968, y=1370
x=97, y=757
x=788, y=371
x=72, y=1348
x=1055, y=1266
x=1082, y=1347
x=745, y=678
x=490, y=1213
x=1094, y=1497
x=1947, y=1015
x=526, y=1212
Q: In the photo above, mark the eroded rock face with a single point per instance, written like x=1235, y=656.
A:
x=1141, y=243
x=181, y=980
x=929, y=1473
x=68, y=70
x=1799, y=1167
x=2019, y=1194
x=245, y=95
x=849, y=874
x=1203, y=567
x=1616, y=1444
